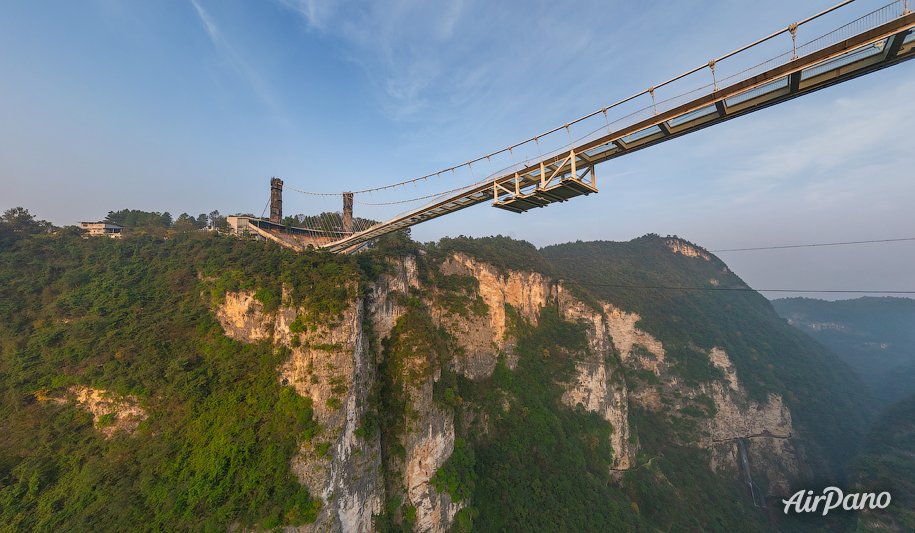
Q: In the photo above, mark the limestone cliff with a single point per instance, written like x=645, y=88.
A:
x=429, y=437
x=767, y=427
x=682, y=247
x=428, y=443
x=332, y=368
x=337, y=367
x=599, y=387
x=483, y=338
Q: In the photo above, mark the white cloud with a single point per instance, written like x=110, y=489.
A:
x=818, y=151
x=316, y=12
x=208, y=23
x=437, y=61
x=237, y=60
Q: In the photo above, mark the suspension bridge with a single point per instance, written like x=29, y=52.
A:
x=559, y=165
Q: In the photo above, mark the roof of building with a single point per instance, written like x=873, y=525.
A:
x=102, y=224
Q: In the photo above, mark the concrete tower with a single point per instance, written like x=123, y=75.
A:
x=276, y=201
x=348, y=213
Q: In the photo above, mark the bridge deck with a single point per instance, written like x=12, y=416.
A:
x=561, y=177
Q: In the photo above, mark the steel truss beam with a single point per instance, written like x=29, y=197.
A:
x=530, y=187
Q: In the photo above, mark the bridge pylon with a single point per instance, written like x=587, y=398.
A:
x=276, y=201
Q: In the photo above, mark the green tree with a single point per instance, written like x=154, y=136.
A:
x=19, y=220
x=142, y=221
x=185, y=223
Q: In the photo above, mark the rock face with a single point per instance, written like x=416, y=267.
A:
x=111, y=413
x=340, y=467
x=682, y=247
x=336, y=370
x=336, y=367
x=483, y=338
x=429, y=438
x=767, y=427
x=332, y=369
x=241, y=317
x=600, y=387
x=428, y=444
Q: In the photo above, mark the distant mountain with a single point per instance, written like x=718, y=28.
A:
x=875, y=336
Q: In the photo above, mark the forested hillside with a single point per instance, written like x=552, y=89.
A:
x=133, y=318
x=643, y=276
x=208, y=382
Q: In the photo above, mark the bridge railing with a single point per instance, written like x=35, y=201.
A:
x=388, y=201
x=867, y=22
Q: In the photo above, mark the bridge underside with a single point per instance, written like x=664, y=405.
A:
x=293, y=237
x=571, y=173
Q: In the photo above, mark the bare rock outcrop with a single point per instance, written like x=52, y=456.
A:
x=429, y=439
x=484, y=338
x=335, y=368
x=429, y=442
x=682, y=247
x=598, y=386
x=332, y=367
x=110, y=412
x=766, y=427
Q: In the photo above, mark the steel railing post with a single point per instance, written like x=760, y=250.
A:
x=711, y=65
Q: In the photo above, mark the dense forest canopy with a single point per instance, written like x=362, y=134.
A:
x=18, y=220
x=135, y=317
x=126, y=316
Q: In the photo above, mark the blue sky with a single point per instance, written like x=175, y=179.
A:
x=192, y=105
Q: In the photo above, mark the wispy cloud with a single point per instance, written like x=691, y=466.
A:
x=316, y=12
x=236, y=59
x=845, y=149
x=437, y=61
x=208, y=23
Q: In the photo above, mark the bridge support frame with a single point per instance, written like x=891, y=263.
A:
x=825, y=66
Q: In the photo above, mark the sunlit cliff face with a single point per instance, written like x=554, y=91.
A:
x=336, y=367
